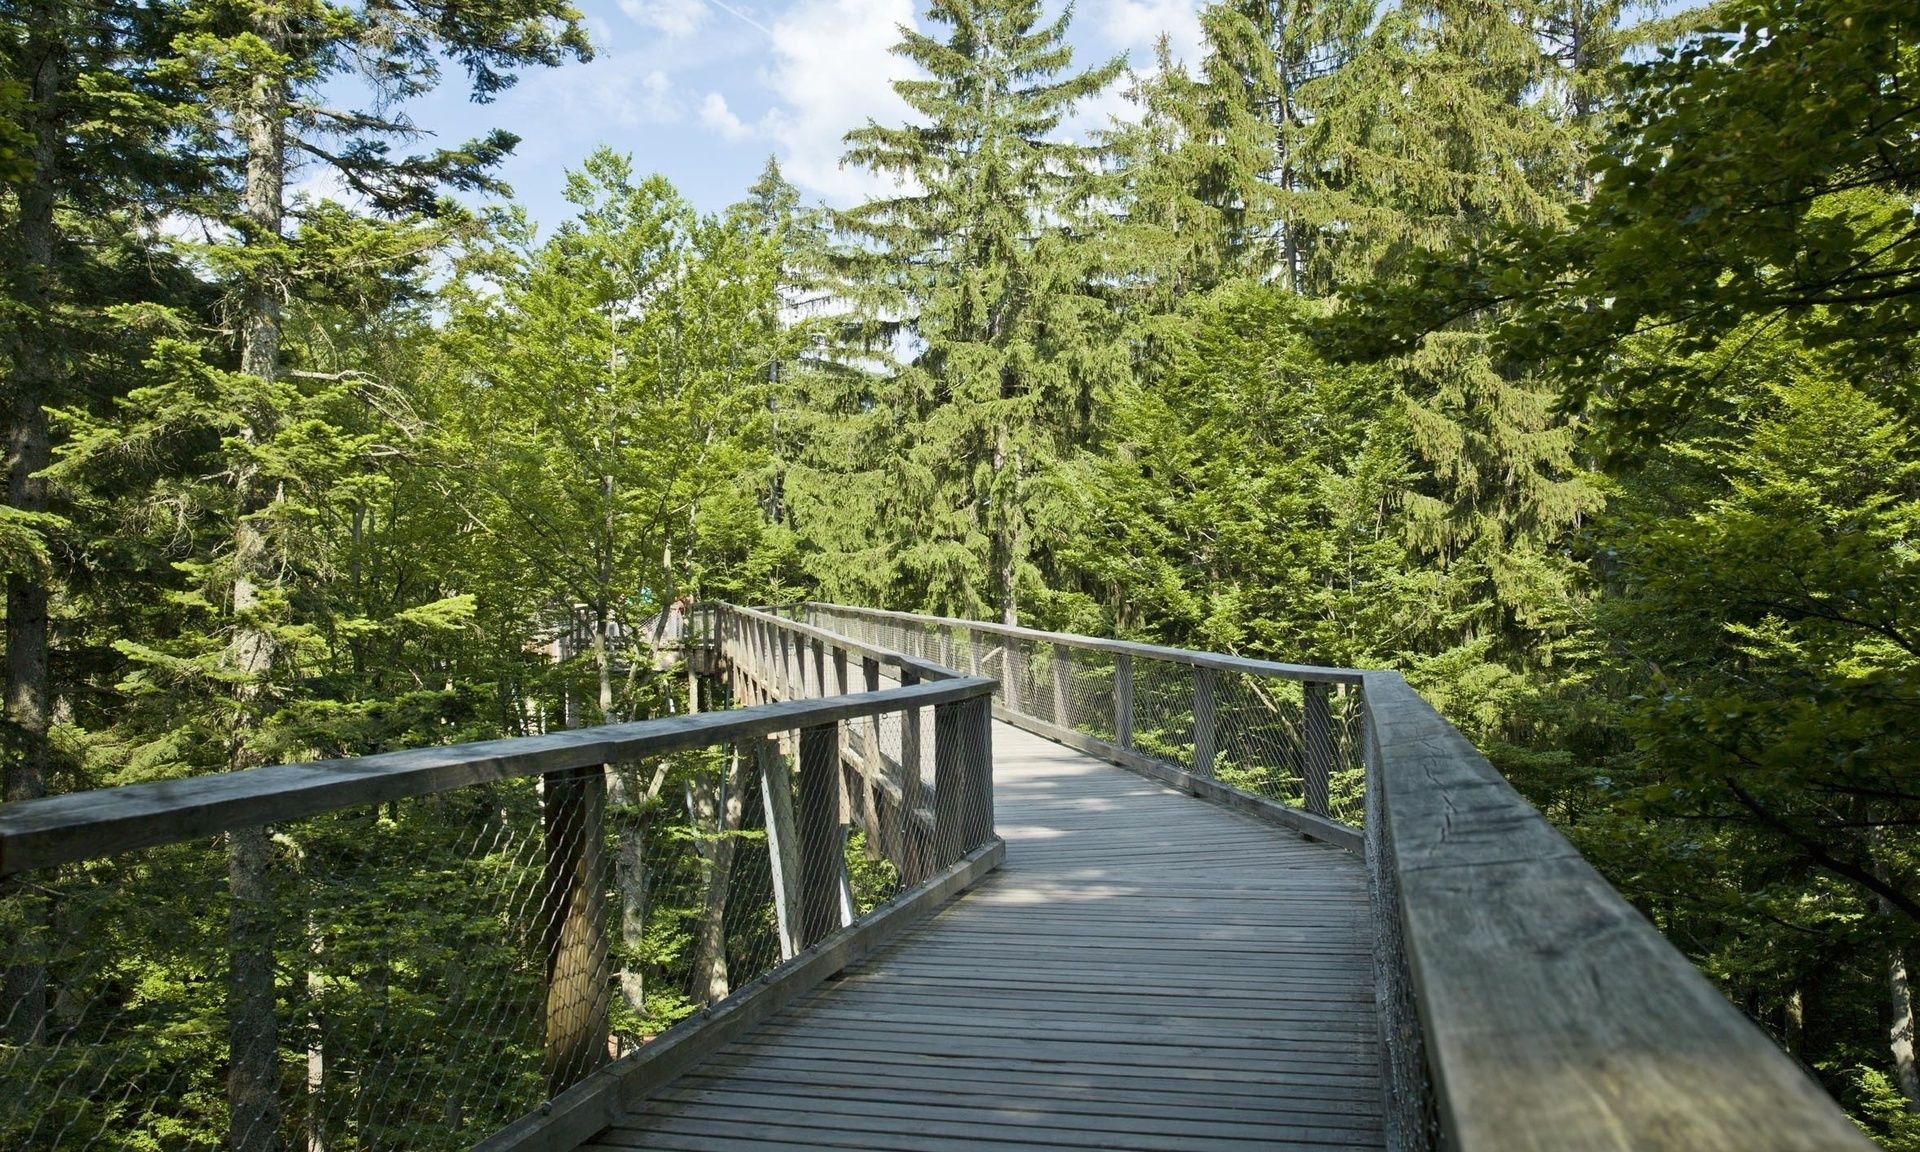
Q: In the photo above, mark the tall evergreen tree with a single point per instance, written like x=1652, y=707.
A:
x=262, y=71
x=84, y=152
x=979, y=264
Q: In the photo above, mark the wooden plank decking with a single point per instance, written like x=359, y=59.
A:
x=1147, y=971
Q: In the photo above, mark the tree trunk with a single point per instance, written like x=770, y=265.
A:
x=710, y=976
x=316, y=1041
x=252, y=1032
x=1900, y=1035
x=1004, y=539
x=23, y=985
x=603, y=660
x=1900, y=1026
x=624, y=801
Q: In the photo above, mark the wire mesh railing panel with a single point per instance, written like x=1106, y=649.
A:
x=1163, y=708
x=420, y=972
x=1261, y=736
x=116, y=1009
x=371, y=978
x=1287, y=738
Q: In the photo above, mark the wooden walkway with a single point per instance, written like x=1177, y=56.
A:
x=1147, y=971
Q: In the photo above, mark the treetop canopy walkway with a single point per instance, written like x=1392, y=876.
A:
x=921, y=883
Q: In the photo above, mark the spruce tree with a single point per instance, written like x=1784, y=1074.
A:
x=260, y=73
x=979, y=268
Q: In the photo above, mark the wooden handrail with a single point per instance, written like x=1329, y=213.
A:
x=1312, y=673
x=88, y=825
x=926, y=669
x=1554, y=1015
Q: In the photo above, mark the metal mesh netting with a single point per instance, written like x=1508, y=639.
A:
x=1264, y=734
x=417, y=974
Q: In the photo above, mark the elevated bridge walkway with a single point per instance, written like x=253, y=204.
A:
x=895, y=882
x=1144, y=971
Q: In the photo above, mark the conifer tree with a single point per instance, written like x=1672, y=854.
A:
x=979, y=267
x=260, y=72
x=82, y=152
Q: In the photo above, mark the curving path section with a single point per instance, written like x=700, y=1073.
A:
x=1146, y=972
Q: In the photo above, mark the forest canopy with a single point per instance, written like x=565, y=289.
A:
x=1558, y=353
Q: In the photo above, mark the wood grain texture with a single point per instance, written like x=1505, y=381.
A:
x=1146, y=971
x=1556, y=1017
x=86, y=825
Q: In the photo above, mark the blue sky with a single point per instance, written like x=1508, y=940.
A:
x=704, y=90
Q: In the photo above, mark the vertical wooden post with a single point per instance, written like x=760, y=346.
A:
x=820, y=689
x=949, y=793
x=882, y=829
x=1123, y=699
x=976, y=727
x=1317, y=763
x=1204, y=732
x=573, y=923
x=916, y=849
x=1060, y=668
x=823, y=858
x=783, y=845
x=1010, y=676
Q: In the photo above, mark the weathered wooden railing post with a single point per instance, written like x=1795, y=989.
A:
x=573, y=922
x=1010, y=693
x=1205, y=720
x=823, y=858
x=1123, y=700
x=784, y=643
x=882, y=818
x=976, y=726
x=916, y=860
x=783, y=843
x=1060, y=667
x=1317, y=763
x=949, y=795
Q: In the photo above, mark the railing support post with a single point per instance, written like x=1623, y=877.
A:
x=783, y=845
x=1060, y=658
x=1204, y=720
x=573, y=814
x=976, y=722
x=1123, y=700
x=823, y=859
x=1317, y=763
x=1010, y=694
x=916, y=862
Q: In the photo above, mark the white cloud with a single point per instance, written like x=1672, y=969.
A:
x=832, y=70
x=1135, y=25
x=1098, y=112
x=715, y=115
x=628, y=97
x=673, y=17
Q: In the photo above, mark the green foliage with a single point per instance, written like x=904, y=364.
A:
x=1560, y=358
x=984, y=260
